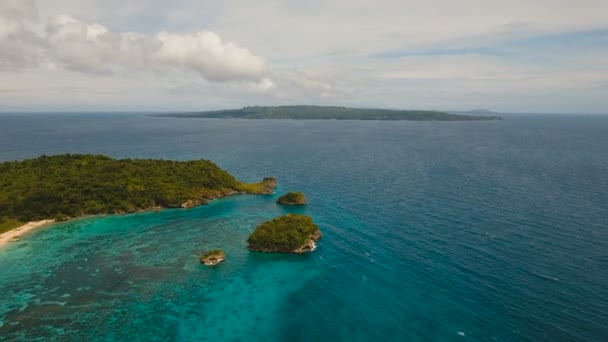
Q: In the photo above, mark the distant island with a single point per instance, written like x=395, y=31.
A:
x=328, y=113
x=289, y=233
x=292, y=198
x=71, y=185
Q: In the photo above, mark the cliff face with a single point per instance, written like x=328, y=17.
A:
x=309, y=246
x=267, y=186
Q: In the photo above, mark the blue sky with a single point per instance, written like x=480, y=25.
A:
x=516, y=56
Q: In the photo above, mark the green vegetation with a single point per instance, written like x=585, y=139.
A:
x=329, y=113
x=286, y=233
x=65, y=186
x=9, y=223
x=266, y=186
x=292, y=198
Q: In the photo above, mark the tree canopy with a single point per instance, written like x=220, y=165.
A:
x=72, y=185
x=283, y=234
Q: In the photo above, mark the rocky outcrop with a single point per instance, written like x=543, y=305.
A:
x=224, y=193
x=213, y=257
x=265, y=187
x=268, y=185
x=311, y=245
x=191, y=204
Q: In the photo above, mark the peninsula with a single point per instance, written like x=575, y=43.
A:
x=289, y=233
x=328, y=113
x=71, y=185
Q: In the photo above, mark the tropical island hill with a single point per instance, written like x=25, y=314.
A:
x=292, y=198
x=72, y=185
x=329, y=113
x=289, y=233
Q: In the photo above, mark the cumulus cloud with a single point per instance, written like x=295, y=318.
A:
x=18, y=46
x=208, y=54
x=90, y=47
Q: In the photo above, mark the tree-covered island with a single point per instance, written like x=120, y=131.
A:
x=289, y=233
x=292, y=198
x=71, y=185
x=329, y=113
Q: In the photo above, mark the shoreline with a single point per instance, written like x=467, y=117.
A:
x=16, y=233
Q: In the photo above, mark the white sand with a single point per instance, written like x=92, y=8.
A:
x=20, y=231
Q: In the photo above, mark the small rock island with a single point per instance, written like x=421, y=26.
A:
x=291, y=233
x=292, y=198
x=213, y=257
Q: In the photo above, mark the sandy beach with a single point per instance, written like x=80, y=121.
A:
x=16, y=233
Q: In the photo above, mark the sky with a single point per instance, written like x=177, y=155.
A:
x=547, y=56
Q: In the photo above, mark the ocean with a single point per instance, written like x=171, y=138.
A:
x=433, y=231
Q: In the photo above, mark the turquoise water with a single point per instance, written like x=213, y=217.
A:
x=478, y=231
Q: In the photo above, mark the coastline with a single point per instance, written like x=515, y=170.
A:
x=267, y=188
x=16, y=233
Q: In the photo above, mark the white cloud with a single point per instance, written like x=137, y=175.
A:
x=90, y=47
x=208, y=54
x=321, y=52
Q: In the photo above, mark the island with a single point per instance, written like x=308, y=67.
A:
x=71, y=185
x=292, y=198
x=213, y=257
x=328, y=113
x=291, y=233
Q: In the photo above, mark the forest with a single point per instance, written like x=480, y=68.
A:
x=71, y=185
x=283, y=234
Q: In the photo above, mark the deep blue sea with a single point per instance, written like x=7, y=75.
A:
x=433, y=231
